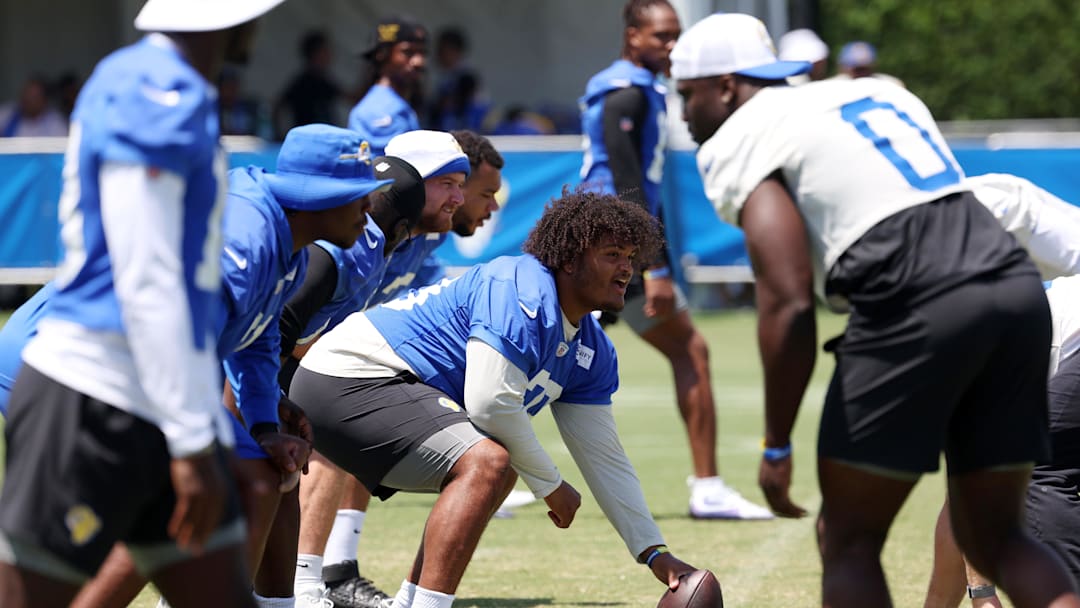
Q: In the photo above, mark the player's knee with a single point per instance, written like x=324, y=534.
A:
x=487, y=462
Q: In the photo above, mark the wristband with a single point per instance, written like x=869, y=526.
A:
x=655, y=553
x=661, y=272
x=981, y=591
x=262, y=428
x=775, y=454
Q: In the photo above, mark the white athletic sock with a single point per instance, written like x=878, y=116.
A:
x=273, y=602
x=308, y=572
x=344, y=541
x=405, y=594
x=426, y=598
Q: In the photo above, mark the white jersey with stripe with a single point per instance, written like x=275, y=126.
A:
x=851, y=152
x=1064, y=297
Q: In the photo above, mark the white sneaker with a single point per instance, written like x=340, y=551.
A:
x=313, y=597
x=711, y=498
x=518, y=498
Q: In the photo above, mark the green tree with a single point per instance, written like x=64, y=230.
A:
x=971, y=59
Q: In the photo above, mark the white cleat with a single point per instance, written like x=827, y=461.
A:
x=313, y=596
x=711, y=498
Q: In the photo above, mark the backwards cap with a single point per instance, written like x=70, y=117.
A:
x=433, y=153
x=199, y=15
x=730, y=43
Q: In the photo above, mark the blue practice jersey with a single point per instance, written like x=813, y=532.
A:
x=381, y=115
x=360, y=269
x=261, y=273
x=510, y=304
x=20, y=327
x=143, y=105
x=409, y=267
x=595, y=171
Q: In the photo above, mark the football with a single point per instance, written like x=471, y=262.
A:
x=699, y=589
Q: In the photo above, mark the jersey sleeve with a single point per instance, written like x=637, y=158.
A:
x=498, y=321
x=301, y=316
x=252, y=372
x=749, y=147
x=159, y=120
x=590, y=435
x=625, y=112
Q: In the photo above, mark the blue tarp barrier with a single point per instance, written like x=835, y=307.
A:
x=30, y=189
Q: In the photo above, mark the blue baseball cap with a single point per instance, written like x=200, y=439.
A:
x=857, y=54
x=322, y=167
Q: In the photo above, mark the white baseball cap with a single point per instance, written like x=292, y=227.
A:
x=802, y=45
x=432, y=153
x=199, y=15
x=730, y=43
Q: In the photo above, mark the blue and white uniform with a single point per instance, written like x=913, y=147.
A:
x=381, y=115
x=131, y=322
x=360, y=269
x=411, y=266
x=496, y=341
x=596, y=169
x=17, y=331
x=261, y=272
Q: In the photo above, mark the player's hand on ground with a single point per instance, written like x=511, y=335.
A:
x=294, y=421
x=774, y=477
x=668, y=569
x=563, y=504
x=199, y=483
x=288, y=453
x=659, y=297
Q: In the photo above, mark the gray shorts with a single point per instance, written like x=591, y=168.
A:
x=392, y=434
x=634, y=311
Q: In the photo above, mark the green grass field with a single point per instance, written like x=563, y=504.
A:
x=525, y=562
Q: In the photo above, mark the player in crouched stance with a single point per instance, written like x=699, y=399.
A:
x=434, y=392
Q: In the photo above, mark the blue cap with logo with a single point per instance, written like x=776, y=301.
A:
x=322, y=167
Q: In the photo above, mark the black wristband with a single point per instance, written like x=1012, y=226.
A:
x=262, y=428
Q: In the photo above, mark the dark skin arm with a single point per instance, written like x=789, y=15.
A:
x=787, y=333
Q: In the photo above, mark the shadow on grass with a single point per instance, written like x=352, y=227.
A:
x=528, y=602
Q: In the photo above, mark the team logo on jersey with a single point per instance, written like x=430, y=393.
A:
x=449, y=404
x=562, y=349
x=82, y=523
x=585, y=356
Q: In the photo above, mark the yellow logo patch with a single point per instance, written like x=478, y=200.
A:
x=449, y=404
x=83, y=524
x=388, y=32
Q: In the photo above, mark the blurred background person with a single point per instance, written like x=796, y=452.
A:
x=805, y=45
x=30, y=115
x=311, y=95
x=459, y=99
x=858, y=59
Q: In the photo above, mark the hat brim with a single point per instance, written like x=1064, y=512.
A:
x=456, y=165
x=318, y=192
x=778, y=70
x=183, y=16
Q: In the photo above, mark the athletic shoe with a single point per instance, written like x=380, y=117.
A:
x=711, y=498
x=516, y=498
x=347, y=589
x=314, y=596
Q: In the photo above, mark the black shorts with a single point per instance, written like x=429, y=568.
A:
x=82, y=475
x=1063, y=392
x=366, y=426
x=1052, y=512
x=947, y=373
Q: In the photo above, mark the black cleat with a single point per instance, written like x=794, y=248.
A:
x=350, y=590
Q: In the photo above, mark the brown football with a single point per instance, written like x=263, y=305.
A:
x=699, y=589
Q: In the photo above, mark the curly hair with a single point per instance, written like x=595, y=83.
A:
x=580, y=219
x=478, y=148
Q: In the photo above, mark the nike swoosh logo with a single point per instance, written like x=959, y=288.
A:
x=372, y=244
x=241, y=263
x=162, y=97
x=529, y=313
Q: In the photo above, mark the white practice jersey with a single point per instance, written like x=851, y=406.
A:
x=852, y=153
x=1064, y=297
x=1048, y=227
